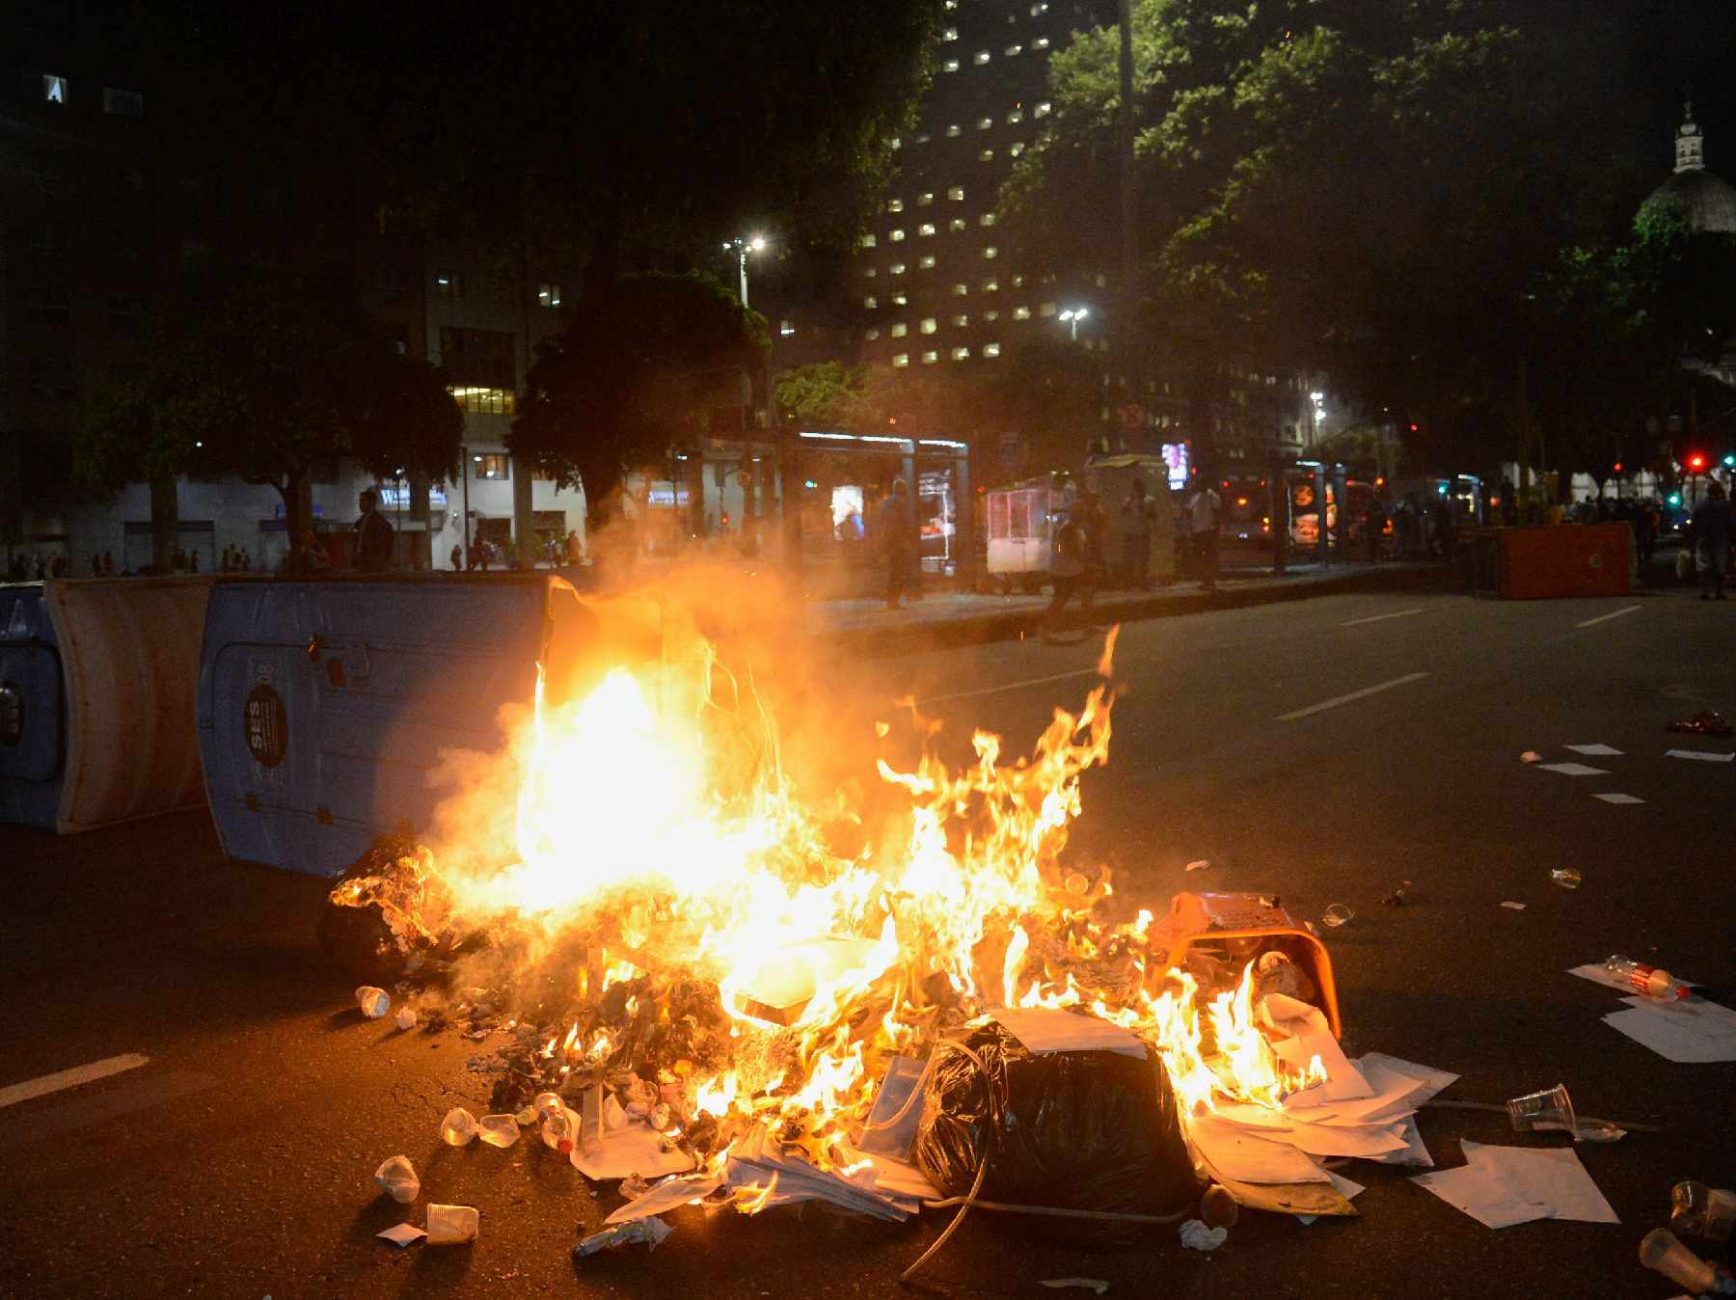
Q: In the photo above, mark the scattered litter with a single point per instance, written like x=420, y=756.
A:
x=452, y=1225
x=1573, y=769
x=406, y=1018
x=458, y=1128
x=1198, y=864
x=1399, y=897
x=1701, y=755
x=1691, y=1032
x=641, y=1232
x=891, y=1126
x=1336, y=915
x=1626, y=973
x=1511, y=906
x=1595, y=750
x=1196, y=1236
x=1661, y=1252
x=1702, y=1211
x=1618, y=798
x=498, y=1130
x=1531, y=756
x=1551, y=1111
x=373, y=1002
x=1043, y=1032
x=402, y=1234
x=1501, y=1186
x=670, y=1194
x=1566, y=877
x=612, y=1145
x=762, y=1170
x=1707, y=723
x=1096, y=1284
x=397, y=1179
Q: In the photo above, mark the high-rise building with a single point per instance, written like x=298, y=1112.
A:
x=936, y=284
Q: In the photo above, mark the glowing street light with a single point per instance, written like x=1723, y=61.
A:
x=742, y=245
x=1071, y=318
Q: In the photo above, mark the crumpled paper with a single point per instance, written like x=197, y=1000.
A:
x=646, y=1232
x=1195, y=1235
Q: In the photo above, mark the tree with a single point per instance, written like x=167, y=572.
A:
x=633, y=372
x=267, y=376
x=819, y=396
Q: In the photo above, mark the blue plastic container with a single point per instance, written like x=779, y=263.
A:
x=324, y=705
x=32, y=709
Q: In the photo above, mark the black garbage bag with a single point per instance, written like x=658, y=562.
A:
x=1089, y=1130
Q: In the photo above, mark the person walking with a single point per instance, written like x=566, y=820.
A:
x=1710, y=529
x=371, y=536
x=1204, y=509
x=1137, y=514
x=1067, y=566
x=895, y=524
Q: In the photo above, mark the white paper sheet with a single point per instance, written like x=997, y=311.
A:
x=1416, y=1153
x=620, y=1153
x=1340, y=1184
x=1044, y=1031
x=1701, y=755
x=1572, y=769
x=1238, y=1154
x=1613, y=797
x=1500, y=1186
x=1595, y=972
x=1368, y=1142
x=1595, y=750
x=1692, y=1033
x=402, y=1234
x=664, y=1197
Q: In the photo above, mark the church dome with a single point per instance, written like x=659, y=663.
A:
x=1701, y=199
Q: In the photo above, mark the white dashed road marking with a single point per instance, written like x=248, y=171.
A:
x=1364, y=693
x=63, y=1079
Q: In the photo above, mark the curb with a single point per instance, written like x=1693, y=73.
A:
x=1011, y=625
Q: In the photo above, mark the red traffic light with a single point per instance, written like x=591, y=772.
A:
x=1696, y=461
x=1616, y=467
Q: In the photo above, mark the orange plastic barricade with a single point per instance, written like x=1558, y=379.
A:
x=1565, y=560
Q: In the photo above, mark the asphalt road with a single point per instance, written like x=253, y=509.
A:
x=237, y=1161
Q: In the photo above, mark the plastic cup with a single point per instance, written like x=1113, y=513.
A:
x=1549, y=1111
x=452, y=1225
x=1702, y=1211
x=1662, y=1253
x=1566, y=877
x=1336, y=915
x=373, y=1002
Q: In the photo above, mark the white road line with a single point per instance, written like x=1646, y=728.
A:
x=1009, y=686
x=62, y=1079
x=1354, y=695
x=1377, y=618
x=1604, y=618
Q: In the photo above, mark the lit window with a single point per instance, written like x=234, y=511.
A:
x=1016, y=49
x=929, y=325
x=122, y=103
x=991, y=349
x=929, y=358
x=981, y=57
x=926, y=262
x=895, y=235
x=991, y=252
x=961, y=354
x=1040, y=8
x=871, y=302
x=900, y=300
x=984, y=123
x=786, y=327
x=1021, y=313
x=1018, y=282
x=869, y=272
x=952, y=130
x=922, y=137
x=895, y=142
x=925, y=229
x=987, y=219
x=950, y=34
x=869, y=241
x=485, y=401
x=956, y=194
x=895, y=205
x=53, y=88
x=957, y=223
x=1047, y=309
x=491, y=465
x=1016, y=116
x=991, y=316
x=951, y=65
x=923, y=200
x=1041, y=43
x=900, y=330
x=991, y=284
x=1016, y=148
x=897, y=268
x=449, y=284
x=987, y=155
x=1043, y=109
x=960, y=290
x=961, y=320
x=548, y=295
x=902, y=359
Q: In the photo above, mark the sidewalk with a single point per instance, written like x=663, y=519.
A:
x=953, y=618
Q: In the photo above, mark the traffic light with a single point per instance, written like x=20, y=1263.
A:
x=1696, y=462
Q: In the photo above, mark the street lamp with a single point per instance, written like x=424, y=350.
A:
x=742, y=245
x=1071, y=318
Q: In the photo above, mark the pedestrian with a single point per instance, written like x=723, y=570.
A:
x=895, y=525
x=371, y=536
x=1645, y=521
x=1710, y=530
x=1204, y=509
x=575, y=548
x=457, y=556
x=1374, y=528
x=1067, y=564
x=1137, y=513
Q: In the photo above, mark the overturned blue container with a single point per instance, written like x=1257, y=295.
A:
x=325, y=705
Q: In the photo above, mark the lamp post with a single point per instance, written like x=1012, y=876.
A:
x=742, y=245
x=1071, y=318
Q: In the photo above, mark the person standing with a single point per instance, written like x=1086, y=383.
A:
x=1067, y=566
x=1204, y=509
x=574, y=548
x=1137, y=513
x=1710, y=527
x=371, y=536
x=895, y=524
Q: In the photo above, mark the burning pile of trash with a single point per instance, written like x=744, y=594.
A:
x=678, y=967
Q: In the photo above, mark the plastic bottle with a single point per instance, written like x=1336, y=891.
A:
x=560, y=1130
x=1649, y=980
x=1702, y=1211
x=1662, y=1253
